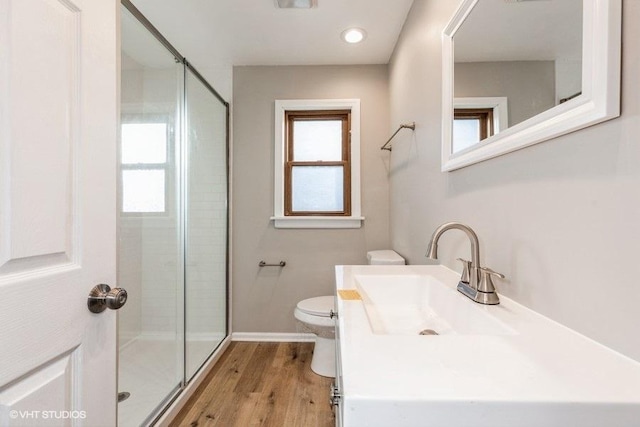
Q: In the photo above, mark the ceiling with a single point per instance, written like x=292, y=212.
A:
x=254, y=32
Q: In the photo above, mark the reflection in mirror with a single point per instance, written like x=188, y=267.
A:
x=529, y=52
x=477, y=118
x=555, y=63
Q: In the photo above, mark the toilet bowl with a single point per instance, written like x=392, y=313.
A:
x=313, y=316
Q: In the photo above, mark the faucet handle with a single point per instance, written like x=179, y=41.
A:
x=466, y=269
x=486, y=284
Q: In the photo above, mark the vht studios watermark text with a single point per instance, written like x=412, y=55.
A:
x=47, y=415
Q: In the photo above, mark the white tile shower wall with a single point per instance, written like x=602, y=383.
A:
x=130, y=278
x=149, y=262
x=206, y=215
x=148, y=271
x=148, y=247
x=129, y=267
x=160, y=282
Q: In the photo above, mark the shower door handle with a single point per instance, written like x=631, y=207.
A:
x=102, y=297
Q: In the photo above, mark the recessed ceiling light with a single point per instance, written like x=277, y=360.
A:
x=296, y=4
x=354, y=35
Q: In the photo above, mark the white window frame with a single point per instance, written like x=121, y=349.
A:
x=279, y=219
x=499, y=104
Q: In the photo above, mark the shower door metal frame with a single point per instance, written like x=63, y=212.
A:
x=190, y=68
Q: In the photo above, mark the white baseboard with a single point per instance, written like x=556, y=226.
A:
x=272, y=337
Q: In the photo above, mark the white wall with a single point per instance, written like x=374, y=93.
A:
x=561, y=219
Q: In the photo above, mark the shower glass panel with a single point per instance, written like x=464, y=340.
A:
x=172, y=222
x=206, y=219
x=149, y=225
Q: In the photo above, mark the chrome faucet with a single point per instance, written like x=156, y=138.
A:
x=475, y=282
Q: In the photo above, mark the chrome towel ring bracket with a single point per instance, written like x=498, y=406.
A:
x=411, y=126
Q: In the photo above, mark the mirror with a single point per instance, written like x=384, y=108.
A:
x=519, y=72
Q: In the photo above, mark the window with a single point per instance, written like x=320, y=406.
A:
x=476, y=119
x=317, y=164
x=144, y=166
x=471, y=126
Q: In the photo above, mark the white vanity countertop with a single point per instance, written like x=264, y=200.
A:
x=543, y=374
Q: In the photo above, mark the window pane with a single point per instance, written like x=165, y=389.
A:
x=317, y=140
x=465, y=133
x=143, y=190
x=317, y=188
x=144, y=143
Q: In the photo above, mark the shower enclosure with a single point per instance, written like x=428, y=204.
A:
x=173, y=221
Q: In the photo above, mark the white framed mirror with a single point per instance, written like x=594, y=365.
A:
x=554, y=63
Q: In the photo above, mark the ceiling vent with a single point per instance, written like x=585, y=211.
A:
x=296, y=4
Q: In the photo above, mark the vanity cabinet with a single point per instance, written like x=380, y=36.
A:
x=335, y=392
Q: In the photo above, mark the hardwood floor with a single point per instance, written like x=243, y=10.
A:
x=261, y=384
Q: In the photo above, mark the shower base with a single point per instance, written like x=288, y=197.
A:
x=148, y=371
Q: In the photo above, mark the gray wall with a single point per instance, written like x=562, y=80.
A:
x=528, y=85
x=561, y=219
x=264, y=299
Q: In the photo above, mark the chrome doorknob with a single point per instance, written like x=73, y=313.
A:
x=102, y=297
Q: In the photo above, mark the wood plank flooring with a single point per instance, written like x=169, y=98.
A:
x=261, y=384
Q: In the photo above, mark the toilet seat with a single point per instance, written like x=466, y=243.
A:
x=318, y=306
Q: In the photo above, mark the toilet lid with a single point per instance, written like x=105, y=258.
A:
x=318, y=306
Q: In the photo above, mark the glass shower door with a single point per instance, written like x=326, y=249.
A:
x=172, y=221
x=149, y=232
x=206, y=222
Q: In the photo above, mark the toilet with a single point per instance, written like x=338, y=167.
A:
x=313, y=316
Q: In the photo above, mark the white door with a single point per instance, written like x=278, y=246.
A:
x=58, y=118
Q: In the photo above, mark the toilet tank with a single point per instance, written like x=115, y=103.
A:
x=384, y=257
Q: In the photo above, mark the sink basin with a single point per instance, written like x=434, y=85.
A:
x=414, y=304
x=490, y=366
